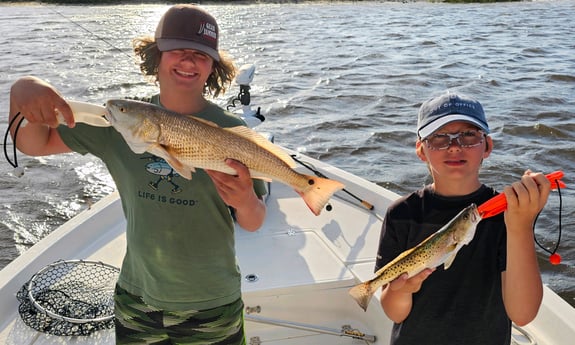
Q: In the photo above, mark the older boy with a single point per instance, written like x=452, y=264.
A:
x=179, y=283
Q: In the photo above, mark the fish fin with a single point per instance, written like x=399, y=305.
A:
x=396, y=260
x=255, y=137
x=263, y=178
x=171, y=159
x=319, y=192
x=181, y=169
x=207, y=122
x=362, y=294
x=260, y=140
x=450, y=259
x=138, y=148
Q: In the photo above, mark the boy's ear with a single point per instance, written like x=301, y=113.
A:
x=419, y=150
x=488, y=146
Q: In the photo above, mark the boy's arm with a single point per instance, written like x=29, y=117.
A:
x=521, y=282
x=38, y=101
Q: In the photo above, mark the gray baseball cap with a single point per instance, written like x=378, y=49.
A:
x=188, y=27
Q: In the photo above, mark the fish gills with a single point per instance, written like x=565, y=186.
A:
x=187, y=142
x=439, y=248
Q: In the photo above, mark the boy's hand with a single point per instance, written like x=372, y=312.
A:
x=39, y=102
x=525, y=199
x=410, y=285
x=235, y=190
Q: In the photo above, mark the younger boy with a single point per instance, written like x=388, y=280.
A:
x=495, y=279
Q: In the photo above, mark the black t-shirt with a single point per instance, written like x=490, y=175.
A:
x=462, y=305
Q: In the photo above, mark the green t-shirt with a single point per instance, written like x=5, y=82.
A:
x=180, y=234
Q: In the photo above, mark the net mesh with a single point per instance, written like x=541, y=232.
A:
x=73, y=297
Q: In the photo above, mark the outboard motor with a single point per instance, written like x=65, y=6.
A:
x=244, y=77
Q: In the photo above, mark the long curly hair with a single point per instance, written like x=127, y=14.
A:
x=148, y=56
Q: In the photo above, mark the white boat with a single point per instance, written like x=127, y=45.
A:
x=298, y=269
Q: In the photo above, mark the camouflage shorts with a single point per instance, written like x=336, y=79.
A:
x=139, y=323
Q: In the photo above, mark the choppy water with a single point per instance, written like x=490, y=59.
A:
x=342, y=81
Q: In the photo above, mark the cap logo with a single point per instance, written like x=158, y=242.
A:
x=457, y=105
x=208, y=30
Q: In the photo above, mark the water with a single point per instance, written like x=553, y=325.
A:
x=340, y=81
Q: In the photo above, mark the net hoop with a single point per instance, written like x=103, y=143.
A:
x=38, y=284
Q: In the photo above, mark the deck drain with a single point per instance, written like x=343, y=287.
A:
x=252, y=278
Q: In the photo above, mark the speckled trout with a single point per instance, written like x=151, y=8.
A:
x=439, y=248
x=186, y=142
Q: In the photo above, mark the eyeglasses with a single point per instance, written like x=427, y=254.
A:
x=469, y=138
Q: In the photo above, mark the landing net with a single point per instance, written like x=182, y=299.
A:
x=74, y=297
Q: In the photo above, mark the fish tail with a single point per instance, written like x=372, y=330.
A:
x=362, y=294
x=319, y=191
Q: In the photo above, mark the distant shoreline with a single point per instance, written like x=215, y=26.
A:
x=214, y=2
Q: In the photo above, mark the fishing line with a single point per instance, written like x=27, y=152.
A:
x=18, y=171
x=90, y=32
x=319, y=174
x=554, y=258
